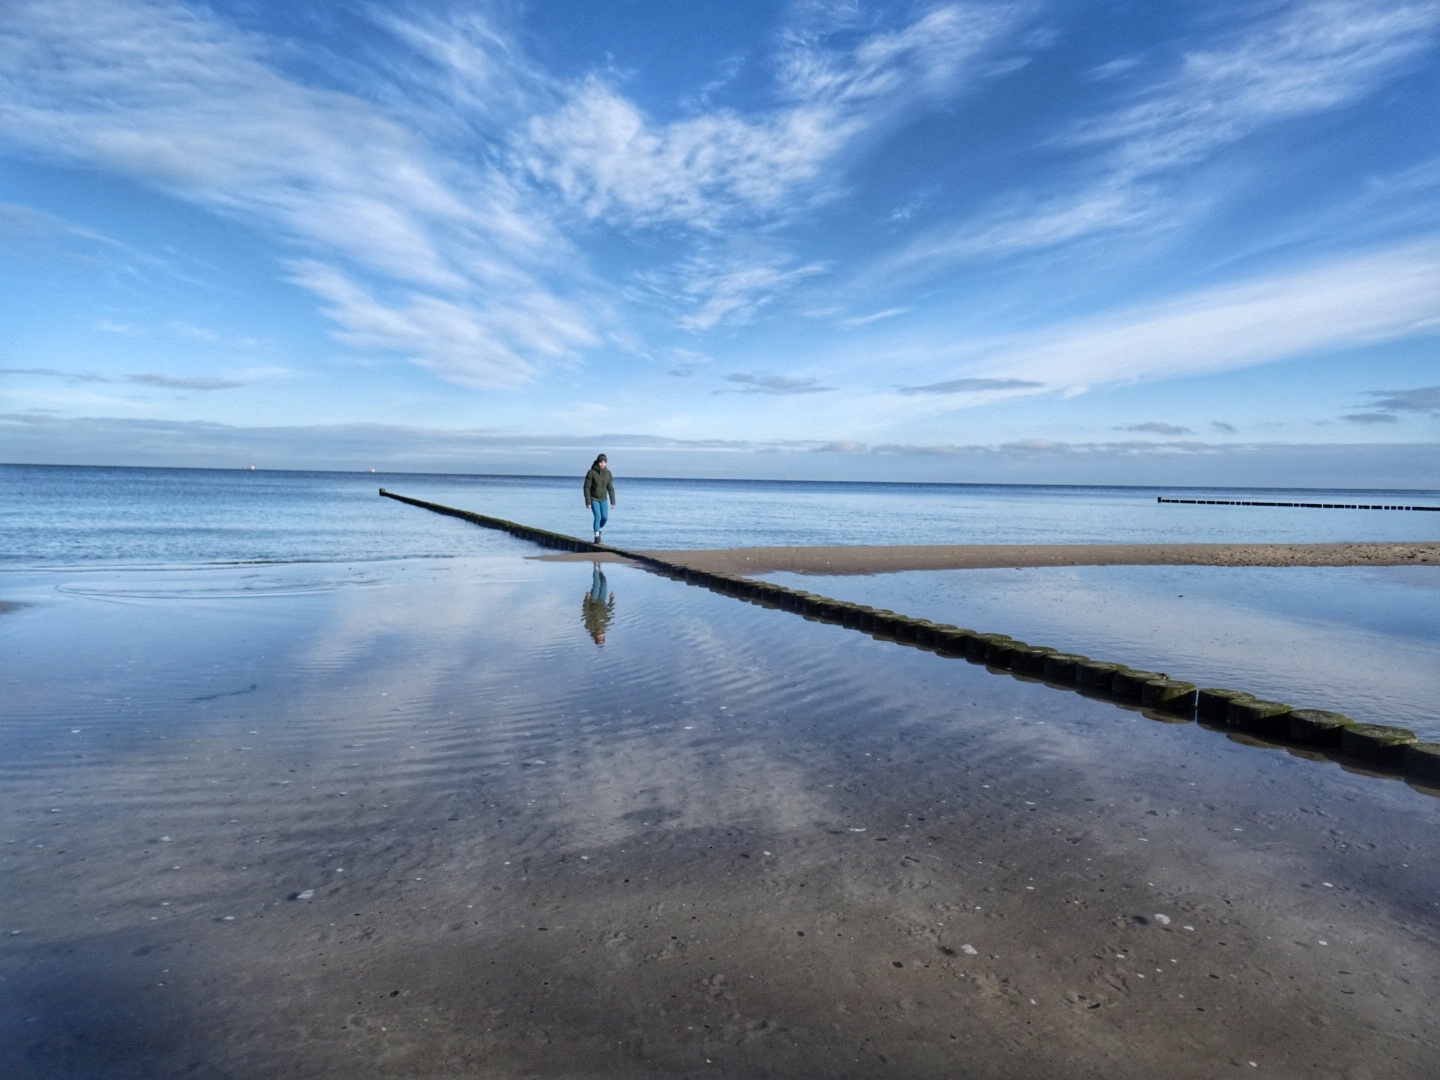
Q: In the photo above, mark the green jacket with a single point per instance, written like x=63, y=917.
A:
x=599, y=484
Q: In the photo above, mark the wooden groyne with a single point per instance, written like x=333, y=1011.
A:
x=543, y=537
x=1393, y=750
x=1303, y=505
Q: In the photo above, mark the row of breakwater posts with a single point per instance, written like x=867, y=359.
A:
x=1393, y=750
x=1302, y=505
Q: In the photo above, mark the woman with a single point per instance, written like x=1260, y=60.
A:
x=599, y=493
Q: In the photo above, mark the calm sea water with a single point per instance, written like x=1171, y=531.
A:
x=75, y=516
x=1362, y=640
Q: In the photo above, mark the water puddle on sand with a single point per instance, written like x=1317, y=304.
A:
x=440, y=825
x=1364, y=641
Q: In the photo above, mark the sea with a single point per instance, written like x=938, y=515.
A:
x=1362, y=640
x=84, y=516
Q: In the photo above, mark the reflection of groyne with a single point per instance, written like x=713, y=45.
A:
x=1304, y=505
x=1327, y=733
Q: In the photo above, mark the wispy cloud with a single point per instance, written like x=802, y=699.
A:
x=1307, y=59
x=971, y=386
x=1380, y=296
x=733, y=289
x=119, y=329
x=774, y=384
x=1424, y=399
x=26, y=230
x=169, y=382
x=170, y=96
x=1113, y=69
x=411, y=240
x=1023, y=222
x=54, y=373
x=1372, y=418
x=857, y=321
x=1295, y=60
x=176, y=382
x=1056, y=448
x=476, y=346
x=1154, y=427
x=607, y=158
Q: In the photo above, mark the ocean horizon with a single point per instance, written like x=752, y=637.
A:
x=119, y=514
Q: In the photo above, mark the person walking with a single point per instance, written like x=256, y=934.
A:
x=599, y=493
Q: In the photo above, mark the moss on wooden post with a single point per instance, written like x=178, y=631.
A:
x=1097, y=674
x=980, y=644
x=1031, y=659
x=1380, y=743
x=1061, y=667
x=1127, y=683
x=1317, y=727
x=1169, y=695
x=1213, y=703
x=1261, y=717
x=1422, y=759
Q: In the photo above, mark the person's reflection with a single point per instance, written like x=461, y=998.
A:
x=598, y=606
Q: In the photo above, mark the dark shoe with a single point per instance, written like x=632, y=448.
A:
x=597, y=538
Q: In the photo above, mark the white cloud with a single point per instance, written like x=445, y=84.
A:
x=734, y=291
x=1307, y=59
x=1113, y=69
x=1155, y=427
x=168, y=95
x=1349, y=302
x=609, y=159
x=1312, y=58
x=1025, y=225
x=606, y=158
x=928, y=57
x=411, y=240
x=475, y=345
x=779, y=385
x=179, y=382
x=971, y=386
x=857, y=321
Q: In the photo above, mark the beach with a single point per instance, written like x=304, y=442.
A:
x=425, y=825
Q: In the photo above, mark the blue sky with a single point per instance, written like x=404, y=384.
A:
x=1112, y=242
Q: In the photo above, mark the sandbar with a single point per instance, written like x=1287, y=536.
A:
x=881, y=559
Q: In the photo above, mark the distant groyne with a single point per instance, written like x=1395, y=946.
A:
x=1300, y=505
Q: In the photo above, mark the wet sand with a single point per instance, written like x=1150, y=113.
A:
x=430, y=828
x=862, y=559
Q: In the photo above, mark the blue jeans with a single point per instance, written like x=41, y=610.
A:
x=601, y=509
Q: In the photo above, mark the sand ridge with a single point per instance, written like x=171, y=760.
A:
x=880, y=559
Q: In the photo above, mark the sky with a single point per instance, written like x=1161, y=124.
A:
x=1031, y=241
